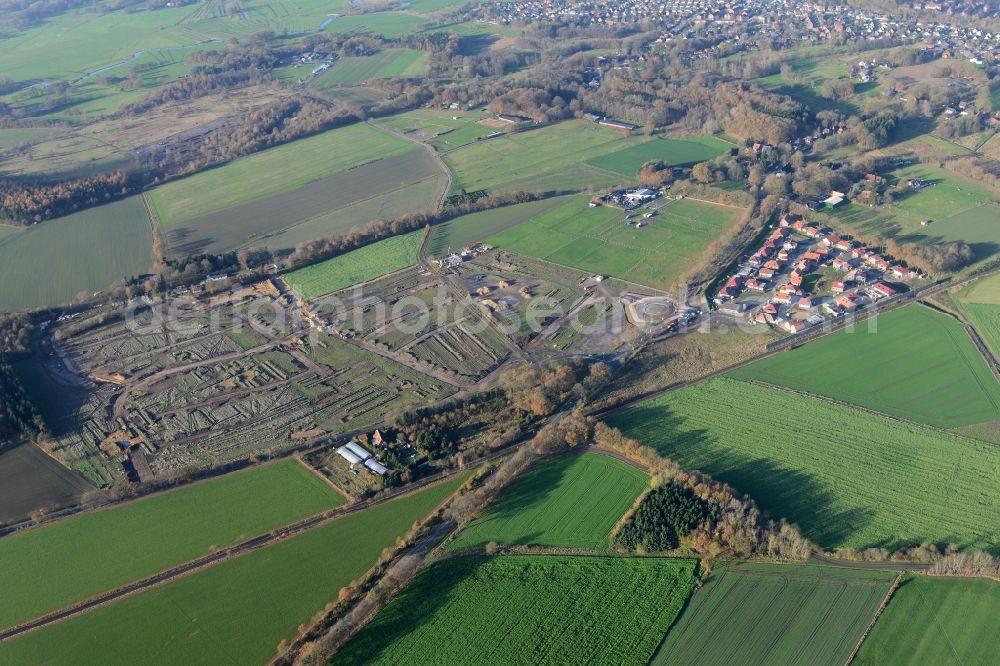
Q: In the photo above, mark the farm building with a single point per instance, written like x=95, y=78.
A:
x=376, y=467
x=617, y=124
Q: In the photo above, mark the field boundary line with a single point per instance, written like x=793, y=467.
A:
x=312, y=218
x=443, y=197
x=325, y=479
x=878, y=612
x=184, y=569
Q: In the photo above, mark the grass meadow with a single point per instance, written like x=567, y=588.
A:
x=444, y=129
x=361, y=265
x=672, y=152
x=72, y=559
x=236, y=611
x=597, y=240
x=959, y=210
x=848, y=478
x=543, y=159
x=74, y=42
x=274, y=171
x=460, y=232
x=936, y=621
x=775, y=614
x=387, y=63
x=568, y=501
x=523, y=609
x=920, y=365
x=981, y=302
x=387, y=24
x=52, y=262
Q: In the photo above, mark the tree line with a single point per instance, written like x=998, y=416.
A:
x=18, y=417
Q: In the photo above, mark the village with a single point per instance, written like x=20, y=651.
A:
x=804, y=275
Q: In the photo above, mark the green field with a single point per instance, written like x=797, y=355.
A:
x=52, y=262
x=380, y=190
x=74, y=42
x=597, y=240
x=528, y=610
x=444, y=129
x=672, y=152
x=775, y=614
x=274, y=171
x=72, y=559
x=387, y=24
x=981, y=302
x=918, y=365
x=567, y=501
x=938, y=621
x=460, y=232
x=385, y=64
x=550, y=158
x=237, y=611
x=848, y=478
x=959, y=210
x=366, y=263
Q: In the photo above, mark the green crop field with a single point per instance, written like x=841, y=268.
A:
x=528, y=609
x=567, y=501
x=387, y=63
x=539, y=160
x=597, y=240
x=366, y=263
x=236, y=611
x=274, y=171
x=775, y=614
x=940, y=621
x=848, y=478
x=75, y=558
x=52, y=262
x=981, y=302
x=387, y=24
x=919, y=365
x=672, y=152
x=380, y=190
x=460, y=232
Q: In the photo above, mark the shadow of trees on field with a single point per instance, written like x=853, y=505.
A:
x=416, y=606
x=781, y=491
x=532, y=488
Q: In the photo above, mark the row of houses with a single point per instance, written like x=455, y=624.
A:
x=779, y=270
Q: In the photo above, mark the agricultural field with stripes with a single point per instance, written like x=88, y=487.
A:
x=543, y=609
x=848, y=478
x=775, y=614
x=570, y=501
x=82, y=253
x=296, y=192
x=499, y=332
x=237, y=610
x=936, y=620
x=151, y=534
x=913, y=363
